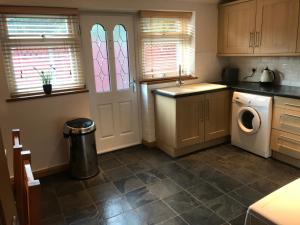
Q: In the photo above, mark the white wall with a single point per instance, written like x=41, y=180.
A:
x=41, y=120
x=287, y=68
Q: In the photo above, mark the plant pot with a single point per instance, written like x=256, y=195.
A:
x=47, y=89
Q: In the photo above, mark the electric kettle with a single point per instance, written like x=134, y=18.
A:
x=267, y=76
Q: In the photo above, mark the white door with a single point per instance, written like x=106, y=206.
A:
x=108, y=46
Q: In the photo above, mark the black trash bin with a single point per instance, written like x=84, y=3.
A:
x=83, y=153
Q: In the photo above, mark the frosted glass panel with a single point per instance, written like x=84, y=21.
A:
x=121, y=57
x=100, y=59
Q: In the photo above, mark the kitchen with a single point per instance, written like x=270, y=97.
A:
x=165, y=113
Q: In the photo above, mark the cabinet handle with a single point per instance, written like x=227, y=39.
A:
x=250, y=41
x=288, y=139
x=293, y=105
x=257, y=39
x=291, y=115
x=207, y=109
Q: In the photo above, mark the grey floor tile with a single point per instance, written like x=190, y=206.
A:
x=181, y=202
x=155, y=212
x=103, y=192
x=240, y=220
x=151, y=176
x=114, y=207
x=181, y=176
x=109, y=164
x=96, y=180
x=50, y=208
x=226, y=207
x=140, y=197
x=242, y=175
x=128, y=158
x=164, y=188
x=81, y=214
x=202, y=216
x=205, y=175
x=264, y=186
x=68, y=186
x=139, y=166
x=118, y=173
x=246, y=195
x=174, y=221
x=205, y=192
x=189, y=162
x=55, y=220
x=127, y=184
x=220, y=180
x=77, y=199
x=127, y=218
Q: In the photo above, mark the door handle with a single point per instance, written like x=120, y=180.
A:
x=133, y=85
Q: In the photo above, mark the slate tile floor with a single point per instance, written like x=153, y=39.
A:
x=141, y=186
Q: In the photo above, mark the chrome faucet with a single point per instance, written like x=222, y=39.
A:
x=180, y=81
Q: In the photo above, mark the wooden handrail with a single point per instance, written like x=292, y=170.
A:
x=27, y=189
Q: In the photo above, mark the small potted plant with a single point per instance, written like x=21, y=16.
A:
x=46, y=77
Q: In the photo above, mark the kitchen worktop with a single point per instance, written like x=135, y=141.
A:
x=249, y=87
x=187, y=90
x=274, y=90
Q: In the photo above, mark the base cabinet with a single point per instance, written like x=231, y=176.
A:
x=186, y=124
x=217, y=115
x=285, y=137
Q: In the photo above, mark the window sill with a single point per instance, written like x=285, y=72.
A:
x=42, y=95
x=166, y=80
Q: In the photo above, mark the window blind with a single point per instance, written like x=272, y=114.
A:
x=166, y=42
x=49, y=43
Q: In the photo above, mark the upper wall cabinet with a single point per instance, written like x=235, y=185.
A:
x=274, y=31
x=276, y=26
x=236, y=28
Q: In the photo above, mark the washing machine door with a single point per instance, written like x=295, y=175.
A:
x=248, y=120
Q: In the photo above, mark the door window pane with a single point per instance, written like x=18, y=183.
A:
x=100, y=59
x=121, y=57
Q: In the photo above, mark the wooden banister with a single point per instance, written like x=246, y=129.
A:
x=27, y=189
x=33, y=192
x=2, y=219
x=16, y=137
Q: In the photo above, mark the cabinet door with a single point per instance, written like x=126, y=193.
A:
x=190, y=120
x=236, y=28
x=276, y=26
x=217, y=115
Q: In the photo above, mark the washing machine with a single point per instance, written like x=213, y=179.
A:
x=251, y=123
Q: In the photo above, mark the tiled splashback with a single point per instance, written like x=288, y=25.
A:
x=287, y=69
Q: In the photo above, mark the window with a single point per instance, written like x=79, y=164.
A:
x=166, y=44
x=100, y=59
x=121, y=57
x=48, y=43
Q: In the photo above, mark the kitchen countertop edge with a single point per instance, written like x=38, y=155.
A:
x=247, y=87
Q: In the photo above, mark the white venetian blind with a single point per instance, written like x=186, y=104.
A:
x=43, y=43
x=166, y=42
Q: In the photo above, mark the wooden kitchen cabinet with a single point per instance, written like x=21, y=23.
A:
x=187, y=124
x=285, y=137
x=217, y=115
x=276, y=26
x=236, y=28
x=265, y=27
x=190, y=120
